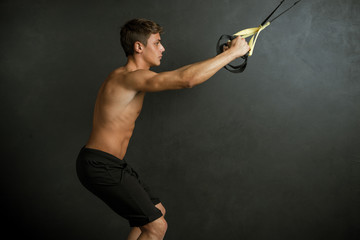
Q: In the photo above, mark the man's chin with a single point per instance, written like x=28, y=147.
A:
x=156, y=64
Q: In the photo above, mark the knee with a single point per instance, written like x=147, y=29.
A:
x=161, y=208
x=156, y=229
x=163, y=211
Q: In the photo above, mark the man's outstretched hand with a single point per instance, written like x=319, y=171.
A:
x=238, y=45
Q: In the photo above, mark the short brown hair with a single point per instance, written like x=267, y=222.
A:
x=137, y=29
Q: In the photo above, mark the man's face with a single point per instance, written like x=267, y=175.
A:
x=153, y=51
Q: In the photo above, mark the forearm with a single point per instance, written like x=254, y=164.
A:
x=199, y=72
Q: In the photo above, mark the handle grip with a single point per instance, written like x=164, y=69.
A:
x=219, y=49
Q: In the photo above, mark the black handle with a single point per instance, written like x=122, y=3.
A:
x=219, y=49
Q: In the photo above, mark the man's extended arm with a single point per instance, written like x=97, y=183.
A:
x=187, y=76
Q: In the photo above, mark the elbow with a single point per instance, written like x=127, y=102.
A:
x=187, y=81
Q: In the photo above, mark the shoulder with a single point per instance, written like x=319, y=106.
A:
x=137, y=80
x=121, y=76
x=148, y=81
x=140, y=74
x=115, y=90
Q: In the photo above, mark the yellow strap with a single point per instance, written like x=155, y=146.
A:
x=251, y=32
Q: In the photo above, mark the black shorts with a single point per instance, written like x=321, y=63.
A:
x=118, y=185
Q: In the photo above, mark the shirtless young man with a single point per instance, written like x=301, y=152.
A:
x=100, y=165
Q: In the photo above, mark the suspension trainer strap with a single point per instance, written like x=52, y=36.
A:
x=254, y=32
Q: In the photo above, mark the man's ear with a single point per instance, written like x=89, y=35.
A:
x=138, y=47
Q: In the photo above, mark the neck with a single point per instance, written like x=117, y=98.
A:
x=135, y=63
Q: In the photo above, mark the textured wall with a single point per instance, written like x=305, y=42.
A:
x=272, y=153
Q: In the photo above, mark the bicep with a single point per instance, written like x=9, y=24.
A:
x=148, y=81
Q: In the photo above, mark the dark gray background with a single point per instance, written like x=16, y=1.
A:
x=272, y=153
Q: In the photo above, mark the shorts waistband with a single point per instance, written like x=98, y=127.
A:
x=106, y=155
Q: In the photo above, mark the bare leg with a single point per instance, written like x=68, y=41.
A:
x=134, y=233
x=154, y=231
x=161, y=208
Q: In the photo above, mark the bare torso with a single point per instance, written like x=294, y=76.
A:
x=121, y=96
x=115, y=113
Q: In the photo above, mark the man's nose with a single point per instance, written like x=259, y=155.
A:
x=162, y=49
